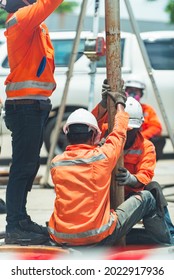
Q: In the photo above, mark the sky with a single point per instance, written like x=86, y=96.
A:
x=142, y=9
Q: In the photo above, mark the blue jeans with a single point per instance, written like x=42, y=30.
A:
x=26, y=123
x=132, y=211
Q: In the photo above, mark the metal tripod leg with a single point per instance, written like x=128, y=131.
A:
x=149, y=69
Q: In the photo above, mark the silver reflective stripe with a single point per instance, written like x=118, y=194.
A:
x=133, y=152
x=84, y=234
x=11, y=22
x=30, y=84
x=78, y=161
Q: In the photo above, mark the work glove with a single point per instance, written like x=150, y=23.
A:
x=124, y=177
x=117, y=97
x=105, y=89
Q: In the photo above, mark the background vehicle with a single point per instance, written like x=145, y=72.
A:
x=160, y=48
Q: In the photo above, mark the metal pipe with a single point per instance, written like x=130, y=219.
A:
x=93, y=64
x=113, y=64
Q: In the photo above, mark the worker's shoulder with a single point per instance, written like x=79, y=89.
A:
x=147, y=107
x=143, y=142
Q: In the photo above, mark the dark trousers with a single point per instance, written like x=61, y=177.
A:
x=140, y=235
x=26, y=121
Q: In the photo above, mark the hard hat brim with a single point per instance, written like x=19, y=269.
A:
x=135, y=123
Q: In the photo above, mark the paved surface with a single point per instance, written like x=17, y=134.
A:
x=41, y=200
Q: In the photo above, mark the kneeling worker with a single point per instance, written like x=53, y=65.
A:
x=82, y=176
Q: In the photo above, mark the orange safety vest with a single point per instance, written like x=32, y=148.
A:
x=151, y=126
x=82, y=176
x=140, y=160
x=30, y=51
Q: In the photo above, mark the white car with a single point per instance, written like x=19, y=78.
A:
x=160, y=48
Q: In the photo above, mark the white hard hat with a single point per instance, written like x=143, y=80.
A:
x=134, y=109
x=82, y=116
x=133, y=82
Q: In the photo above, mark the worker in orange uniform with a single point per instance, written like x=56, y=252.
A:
x=82, y=177
x=28, y=88
x=139, y=162
x=151, y=128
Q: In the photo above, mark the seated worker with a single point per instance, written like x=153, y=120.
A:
x=139, y=158
x=82, y=176
x=139, y=165
x=151, y=128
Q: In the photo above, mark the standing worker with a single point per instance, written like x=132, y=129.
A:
x=82, y=177
x=151, y=128
x=28, y=88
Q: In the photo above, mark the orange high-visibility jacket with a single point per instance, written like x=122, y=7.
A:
x=82, y=176
x=30, y=51
x=140, y=160
x=102, y=122
x=151, y=126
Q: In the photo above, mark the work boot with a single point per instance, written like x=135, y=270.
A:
x=2, y=207
x=21, y=237
x=29, y=225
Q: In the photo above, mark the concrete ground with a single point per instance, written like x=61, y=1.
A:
x=41, y=200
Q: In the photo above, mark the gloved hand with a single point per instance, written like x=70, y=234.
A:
x=117, y=97
x=124, y=177
x=105, y=89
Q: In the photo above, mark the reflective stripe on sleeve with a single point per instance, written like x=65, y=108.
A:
x=133, y=152
x=11, y=22
x=78, y=161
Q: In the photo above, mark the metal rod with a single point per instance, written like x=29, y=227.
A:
x=93, y=64
x=113, y=63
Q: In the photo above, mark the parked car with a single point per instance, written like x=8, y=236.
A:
x=160, y=48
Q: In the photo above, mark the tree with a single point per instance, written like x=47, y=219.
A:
x=65, y=7
x=170, y=9
x=3, y=16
